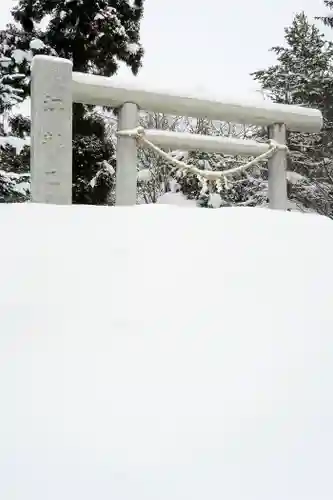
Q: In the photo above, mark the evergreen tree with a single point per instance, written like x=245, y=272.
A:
x=95, y=35
x=303, y=75
x=14, y=155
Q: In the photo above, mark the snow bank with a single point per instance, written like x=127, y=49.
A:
x=158, y=353
x=37, y=44
x=176, y=199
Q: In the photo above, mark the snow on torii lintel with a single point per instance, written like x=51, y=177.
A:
x=161, y=353
x=93, y=89
x=99, y=90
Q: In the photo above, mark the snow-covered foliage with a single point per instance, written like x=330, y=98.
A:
x=14, y=171
x=93, y=167
x=193, y=359
x=303, y=75
x=155, y=177
x=9, y=94
x=14, y=184
x=96, y=36
x=19, y=47
x=14, y=187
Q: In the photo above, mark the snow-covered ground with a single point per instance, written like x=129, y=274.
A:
x=159, y=353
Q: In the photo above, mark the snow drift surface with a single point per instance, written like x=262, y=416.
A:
x=157, y=353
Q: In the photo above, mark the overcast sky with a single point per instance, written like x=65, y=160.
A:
x=210, y=44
